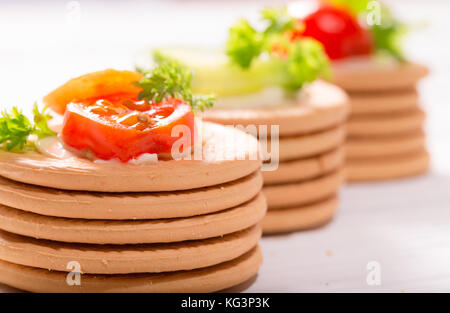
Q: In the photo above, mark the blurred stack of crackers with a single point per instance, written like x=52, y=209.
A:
x=386, y=138
x=303, y=192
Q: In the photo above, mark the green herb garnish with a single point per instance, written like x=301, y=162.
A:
x=295, y=62
x=304, y=63
x=169, y=78
x=16, y=128
x=390, y=34
x=278, y=20
x=244, y=44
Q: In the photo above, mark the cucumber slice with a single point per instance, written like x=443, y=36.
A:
x=214, y=74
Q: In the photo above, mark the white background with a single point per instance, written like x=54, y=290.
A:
x=403, y=225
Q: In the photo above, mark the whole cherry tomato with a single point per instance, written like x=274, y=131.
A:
x=339, y=31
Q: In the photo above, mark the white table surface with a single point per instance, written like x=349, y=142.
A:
x=403, y=225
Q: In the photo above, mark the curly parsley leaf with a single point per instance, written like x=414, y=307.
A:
x=294, y=62
x=390, y=34
x=16, y=128
x=41, y=118
x=304, y=63
x=169, y=78
x=202, y=102
x=278, y=20
x=244, y=43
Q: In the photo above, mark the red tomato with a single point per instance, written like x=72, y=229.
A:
x=121, y=126
x=339, y=31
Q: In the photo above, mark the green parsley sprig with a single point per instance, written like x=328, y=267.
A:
x=390, y=34
x=294, y=62
x=245, y=43
x=169, y=78
x=277, y=20
x=305, y=61
x=16, y=128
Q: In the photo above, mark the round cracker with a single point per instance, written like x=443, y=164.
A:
x=122, y=206
x=300, y=193
x=386, y=125
x=208, y=279
x=373, y=77
x=164, y=175
x=385, y=168
x=384, y=103
x=133, y=232
x=324, y=106
x=302, y=169
x=126, y=259
x=296, y=147
x=360, y=148
x=300, y=218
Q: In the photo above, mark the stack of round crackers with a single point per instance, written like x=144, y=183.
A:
x=73, y=225
x=385, y=130
x=302, y=192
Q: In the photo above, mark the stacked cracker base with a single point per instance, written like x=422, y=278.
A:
x=176, y=239
x=302, y=192
x=385, y=131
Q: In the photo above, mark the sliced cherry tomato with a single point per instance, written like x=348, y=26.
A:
x=339, y=31
x=123, y=127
